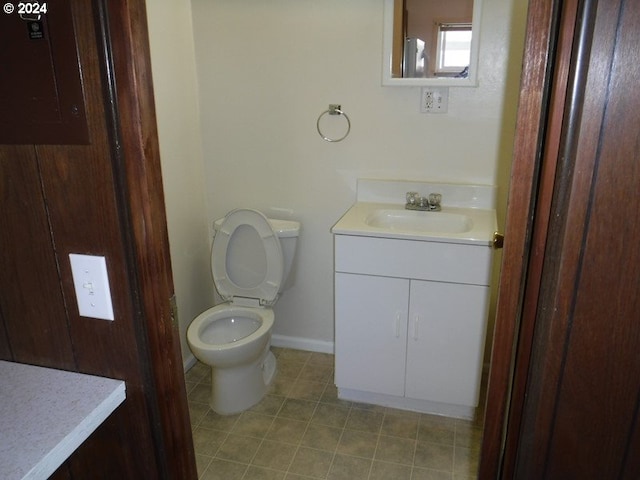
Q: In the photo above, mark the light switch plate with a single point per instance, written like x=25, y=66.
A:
x=91, y=284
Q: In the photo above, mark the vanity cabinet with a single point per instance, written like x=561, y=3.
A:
x=410, y=321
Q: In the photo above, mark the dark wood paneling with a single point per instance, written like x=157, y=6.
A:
x=85, y=217
x=5, y=348
x=599, y=392
x=40, y=87
x=581, y=413
x=104, y=198
x=105, y=454
x=31, y=301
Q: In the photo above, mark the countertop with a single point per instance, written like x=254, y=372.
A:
x=46, y=414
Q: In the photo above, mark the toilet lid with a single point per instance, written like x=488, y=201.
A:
x=246, y=258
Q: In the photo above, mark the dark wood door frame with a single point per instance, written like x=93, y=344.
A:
x=556, y=155
x=540, y=111
x=125, y=46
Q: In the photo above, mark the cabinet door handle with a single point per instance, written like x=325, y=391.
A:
x=416, y=325
x=396, y=325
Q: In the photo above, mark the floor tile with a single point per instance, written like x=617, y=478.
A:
x=437, y=429
x=468, y=435
x=302, y=431
x=321, y=437
x=317, y=373
x=197, y=411
x=260, y=473
x=275, y=455
x=465, y=461
x=434, y=456
x=290, y=369
x=202, y=462
x=200, y=393
x=321, y=359
x=281, y=385
x=349, y=468
x=330, y=395
x=238, y=448
x=214, y=421
x=307, y=390
x=397, y=425
x=357, y=444
x=223, y=470
x=198, y=373
x=330, y=415
x=312, y=463
x=206, y=441
x=297, y=409
x=287, y=430
x=395, y=450
x=365, y=420
x=270, y=405
x=428, y=474
x=252, y=424
x=386, y=471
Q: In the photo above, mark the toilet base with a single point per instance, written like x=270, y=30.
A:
x=235, y=389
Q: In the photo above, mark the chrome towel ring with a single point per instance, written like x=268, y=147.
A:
x=334, y=109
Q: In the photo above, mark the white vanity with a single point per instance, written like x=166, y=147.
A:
x=412, y=297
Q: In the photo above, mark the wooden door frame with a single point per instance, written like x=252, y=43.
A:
x=540, y=111
x=143, y=190
x=127, y=68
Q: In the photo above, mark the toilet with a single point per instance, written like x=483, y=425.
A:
x=251, y=260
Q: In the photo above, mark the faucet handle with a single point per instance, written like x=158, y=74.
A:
x=412, y=198
x=434, y=200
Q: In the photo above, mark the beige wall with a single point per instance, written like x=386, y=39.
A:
x=175, y=86
x=265, y=71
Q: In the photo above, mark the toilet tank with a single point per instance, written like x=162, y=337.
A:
x=288, y=232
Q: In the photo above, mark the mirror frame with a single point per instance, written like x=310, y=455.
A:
x=387, y=51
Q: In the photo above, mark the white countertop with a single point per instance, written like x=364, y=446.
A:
x=46, y=414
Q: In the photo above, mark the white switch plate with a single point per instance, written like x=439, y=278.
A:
x=91, y=283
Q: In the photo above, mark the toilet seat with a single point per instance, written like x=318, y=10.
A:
x=262, y=317
x=258, y=279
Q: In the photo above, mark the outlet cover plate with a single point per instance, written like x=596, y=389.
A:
x=91, y=284
x=434, y=100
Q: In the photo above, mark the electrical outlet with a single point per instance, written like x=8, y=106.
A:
x=434, y=100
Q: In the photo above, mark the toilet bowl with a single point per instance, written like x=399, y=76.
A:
x=249, y=265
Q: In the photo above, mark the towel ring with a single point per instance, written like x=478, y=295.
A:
x=334, y=109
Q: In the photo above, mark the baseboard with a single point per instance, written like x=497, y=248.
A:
x=300, y=343
x=411, y=404
x=188, y=362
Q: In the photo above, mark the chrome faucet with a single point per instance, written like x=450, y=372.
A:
x=428, y=204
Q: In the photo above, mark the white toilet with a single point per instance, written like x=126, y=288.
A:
x=251, y=259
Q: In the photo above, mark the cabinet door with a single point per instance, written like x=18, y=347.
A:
x=371, y=332
x=447, y=324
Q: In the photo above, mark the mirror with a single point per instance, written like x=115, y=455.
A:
x=431, y=43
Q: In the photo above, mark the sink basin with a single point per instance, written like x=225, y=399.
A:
x=440, y=222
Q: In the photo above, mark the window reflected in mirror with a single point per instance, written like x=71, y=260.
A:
x=430, y=41
x=453, y=49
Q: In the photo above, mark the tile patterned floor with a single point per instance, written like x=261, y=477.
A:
x=301, y=430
